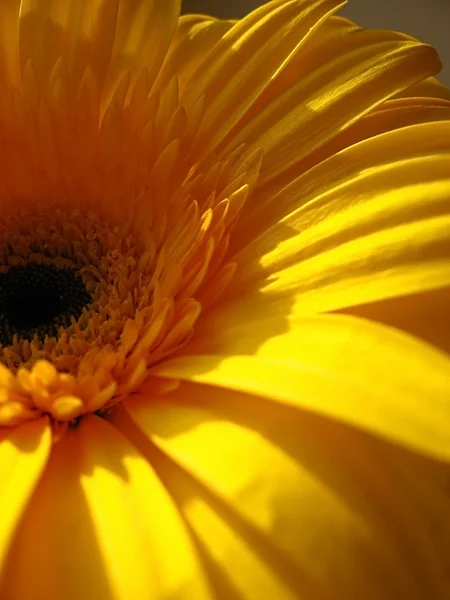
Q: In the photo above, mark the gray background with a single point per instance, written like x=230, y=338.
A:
x=427, y=20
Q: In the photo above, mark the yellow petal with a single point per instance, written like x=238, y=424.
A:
x=316, y=505
x=270, y=203
x=329, y=99
x=424, y=315
x=316, y=51
x=391, y=115
x=23, y=456
x=373, y=222
x=429, y=88
x=336, y=37
x=101, y=526
x=234, y=561
x=144, y=32
x=428, y=481
x=194, y=38
x=348, y=369
x=208, y=66
x=246, y=59
x=332, y=39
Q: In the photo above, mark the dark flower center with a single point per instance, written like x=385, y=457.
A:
x=36, y=299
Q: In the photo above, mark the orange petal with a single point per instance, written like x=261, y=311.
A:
x=82, y=32
x=9, y=43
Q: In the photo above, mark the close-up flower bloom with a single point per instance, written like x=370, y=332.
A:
x=224, y=290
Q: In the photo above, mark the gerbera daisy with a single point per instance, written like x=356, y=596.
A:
x=224, y=271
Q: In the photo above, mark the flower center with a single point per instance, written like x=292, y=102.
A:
x=88, y=306
x=37, y=299
x=114, y=237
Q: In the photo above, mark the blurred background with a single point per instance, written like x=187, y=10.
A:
x=427, y=20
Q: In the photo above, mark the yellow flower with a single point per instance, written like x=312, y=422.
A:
x=224, y=291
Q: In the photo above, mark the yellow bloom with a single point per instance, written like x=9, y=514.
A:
x=224, y=291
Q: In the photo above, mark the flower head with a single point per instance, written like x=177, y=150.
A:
x=224, y=274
